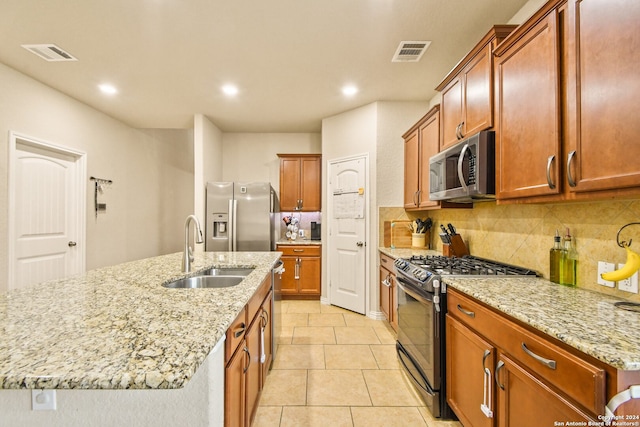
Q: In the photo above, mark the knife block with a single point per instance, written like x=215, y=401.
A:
x=457, y=247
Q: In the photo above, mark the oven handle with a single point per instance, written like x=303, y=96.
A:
x=428, y=389
x=420, y=298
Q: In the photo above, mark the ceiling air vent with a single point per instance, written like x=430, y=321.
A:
x=49, y=52
x=410, y=51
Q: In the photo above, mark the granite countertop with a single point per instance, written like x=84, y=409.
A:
x=299, y=241
x=406, y=253
x=583, y=319
x=118, y=327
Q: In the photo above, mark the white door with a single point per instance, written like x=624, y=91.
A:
x=46, y=213
x=347, y=244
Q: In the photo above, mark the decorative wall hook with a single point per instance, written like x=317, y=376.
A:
x=624, y=243
x=99, y=183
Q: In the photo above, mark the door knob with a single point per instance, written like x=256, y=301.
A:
x=72, y=244
x=360, y=244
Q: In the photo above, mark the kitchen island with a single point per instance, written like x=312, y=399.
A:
x=117, y=332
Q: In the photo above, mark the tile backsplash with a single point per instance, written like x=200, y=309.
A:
x=523, y=234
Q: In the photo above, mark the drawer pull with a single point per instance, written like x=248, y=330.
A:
x=298, y=250
x=468, y=313
x=498, y=367
x=547, y=362
x=239, y=332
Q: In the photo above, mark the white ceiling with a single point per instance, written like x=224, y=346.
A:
x=289, y=58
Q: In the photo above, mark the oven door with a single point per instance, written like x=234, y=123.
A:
x=419, y=332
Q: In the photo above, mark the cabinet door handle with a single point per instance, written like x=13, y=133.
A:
x=246, y=368
x=468, y=313
x=498, y=367
x=547, y=362
x=549, y=162
x=461, y=133
x=387, y=282
x=296, y=271
x=572, y=182
x=265, y=318
x=487, y=394
x=239, y=332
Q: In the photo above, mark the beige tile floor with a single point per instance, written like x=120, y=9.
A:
x=337, y=368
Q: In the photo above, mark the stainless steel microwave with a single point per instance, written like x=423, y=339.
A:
x=465, y=172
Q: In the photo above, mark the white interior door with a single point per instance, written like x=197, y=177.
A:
x=347, y=244
x=46, y=214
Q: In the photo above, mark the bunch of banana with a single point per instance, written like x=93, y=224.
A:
x=630, y=267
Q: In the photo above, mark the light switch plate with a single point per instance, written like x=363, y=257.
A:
x=43, y=400
x=605, y=267
x=630, y=284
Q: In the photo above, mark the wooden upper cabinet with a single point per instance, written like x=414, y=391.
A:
x=528, y=108
x=420, y=143
x=300, y=182
x=603, y=93
x=411, y=169
x=467, y=92
x=566, y=103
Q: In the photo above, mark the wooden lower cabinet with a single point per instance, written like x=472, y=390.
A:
x=525, y=401
x=467, y=356
x=253, y=373
x=234, y=388
x=302, y=271
x=246, y=368
x=388, y=291
x=500, y=373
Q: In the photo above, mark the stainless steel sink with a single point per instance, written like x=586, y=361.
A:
x=212, y=278
x=205, y=282
x=227, y=272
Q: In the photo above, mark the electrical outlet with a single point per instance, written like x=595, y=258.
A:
x=43, y=400
x=605, y=267
x=630, y=284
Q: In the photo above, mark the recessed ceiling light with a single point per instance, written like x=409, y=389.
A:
x=230, y=90
x=349, y=90
x=108, y=89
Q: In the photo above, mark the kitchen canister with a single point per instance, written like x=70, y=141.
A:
x=418, y=240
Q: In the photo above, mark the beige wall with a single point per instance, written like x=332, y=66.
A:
x=254, y=156
x=152, y=171
x=374, y=130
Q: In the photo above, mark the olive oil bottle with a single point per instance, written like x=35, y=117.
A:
x=568, y=262
x=555, y=257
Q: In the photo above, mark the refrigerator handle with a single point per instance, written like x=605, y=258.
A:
x=235, y=223
x=231, y=226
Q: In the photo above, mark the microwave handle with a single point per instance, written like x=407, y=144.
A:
x=460, y=163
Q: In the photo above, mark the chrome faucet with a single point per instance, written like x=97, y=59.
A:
x=187, y=257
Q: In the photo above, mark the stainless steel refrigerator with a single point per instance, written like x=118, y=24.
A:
x=241, y=216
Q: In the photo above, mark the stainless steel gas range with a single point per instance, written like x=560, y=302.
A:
x=422, y=306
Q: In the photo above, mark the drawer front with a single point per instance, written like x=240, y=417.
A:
x=235, y=334
x=472, y=314
x=387, y=262
x=579, y=379
x=300, y=250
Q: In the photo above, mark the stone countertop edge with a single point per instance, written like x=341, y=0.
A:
x=117, y=327
x=299, y=242
x=583, y=319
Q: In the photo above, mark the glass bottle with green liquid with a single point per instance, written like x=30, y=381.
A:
x=555, y=257
x=568, y=262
